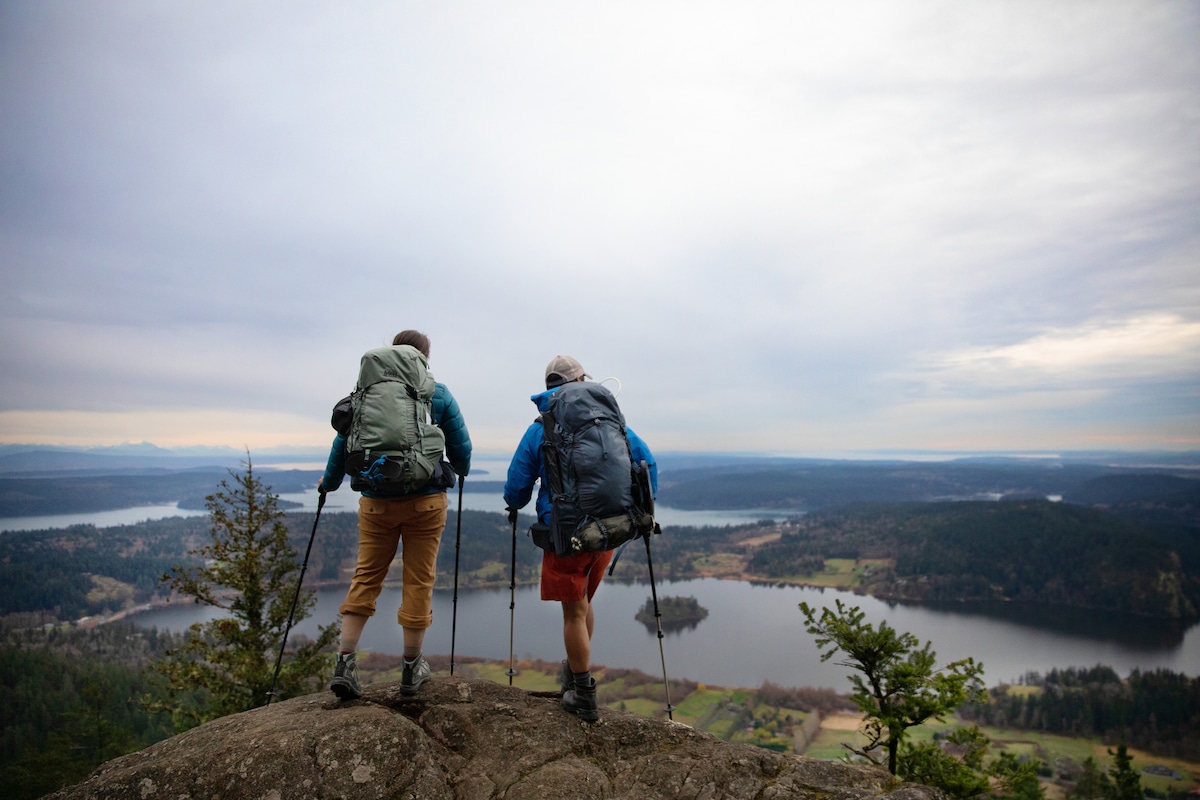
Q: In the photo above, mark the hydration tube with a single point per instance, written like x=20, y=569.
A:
x=617, y=381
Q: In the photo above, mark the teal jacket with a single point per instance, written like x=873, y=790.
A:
x=445, y=414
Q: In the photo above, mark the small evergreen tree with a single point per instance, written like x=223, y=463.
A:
x=961, y=778
x=1092, y=783
x=249, y=570
x=1018, y=779
x=1125, y=783
x=897, y=686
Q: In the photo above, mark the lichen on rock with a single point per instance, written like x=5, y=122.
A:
x=466, y=738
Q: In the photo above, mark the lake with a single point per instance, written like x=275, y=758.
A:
x=753, y=633
x=346, y=500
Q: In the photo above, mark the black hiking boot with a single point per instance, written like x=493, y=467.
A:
x=415, y=673
x=566, y=681
x=345, y=677
x=580, y=700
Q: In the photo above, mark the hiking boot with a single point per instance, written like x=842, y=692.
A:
x=581, y=701
x=345, y=677
x=566, y=681
x=415, y=673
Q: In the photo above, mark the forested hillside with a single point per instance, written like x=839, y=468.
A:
x=71, y=700
x=83, y=570
x=811, y=485
x=1031, y=551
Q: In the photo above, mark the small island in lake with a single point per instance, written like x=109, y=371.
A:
x=677, y=612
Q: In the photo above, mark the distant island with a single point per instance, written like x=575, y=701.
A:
x=677, y=612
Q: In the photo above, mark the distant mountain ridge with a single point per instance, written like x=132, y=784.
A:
x=24, y=460
x=53, y=480
x=15, y=458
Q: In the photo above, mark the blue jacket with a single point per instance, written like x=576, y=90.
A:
x=445, y=414
x=528, y=466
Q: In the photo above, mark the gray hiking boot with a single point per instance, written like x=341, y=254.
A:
x=581, y=701
x=414, y=674
x=345, y=677
x=566, y=681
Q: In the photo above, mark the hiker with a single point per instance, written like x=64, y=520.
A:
x=391, y=515
x=572, y=579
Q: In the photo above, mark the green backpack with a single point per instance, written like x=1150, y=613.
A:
x=392, y=446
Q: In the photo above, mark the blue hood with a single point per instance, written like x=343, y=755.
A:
x=542, y=399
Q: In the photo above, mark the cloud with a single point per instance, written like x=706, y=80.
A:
x=778, y=224
x=1161, y=346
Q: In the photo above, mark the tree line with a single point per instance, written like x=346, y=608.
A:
x=1157, y=711
x=1032, y=551
x=71, y=699
x=807, y=485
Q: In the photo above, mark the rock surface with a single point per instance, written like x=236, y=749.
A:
x=466, y=739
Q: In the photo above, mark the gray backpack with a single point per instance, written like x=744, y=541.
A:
x=600, y=498
x=392, y=445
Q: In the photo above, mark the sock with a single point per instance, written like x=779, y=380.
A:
x=582, y=679
x=412, y=653
x=342, y=654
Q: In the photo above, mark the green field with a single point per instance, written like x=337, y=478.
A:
x=1057, y=752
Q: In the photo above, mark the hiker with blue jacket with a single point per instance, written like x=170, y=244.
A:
x=570, y=579
x=393, y=513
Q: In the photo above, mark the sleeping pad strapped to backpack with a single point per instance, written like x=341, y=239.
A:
x=392, y=447
x=600, y=498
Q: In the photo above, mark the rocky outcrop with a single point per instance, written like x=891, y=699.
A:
x=466, y=739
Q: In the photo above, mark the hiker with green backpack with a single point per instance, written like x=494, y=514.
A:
x=401, y=439
x=597, y=482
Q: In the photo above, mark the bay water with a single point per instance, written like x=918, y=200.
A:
x=753, y=633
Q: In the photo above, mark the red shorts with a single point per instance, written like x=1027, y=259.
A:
x=571, y=578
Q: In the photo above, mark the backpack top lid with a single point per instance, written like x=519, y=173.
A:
x=579, y=403
x=397, y=362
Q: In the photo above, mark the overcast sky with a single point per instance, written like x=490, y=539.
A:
x=810, y=228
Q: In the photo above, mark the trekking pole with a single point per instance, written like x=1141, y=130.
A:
x=512, y=601
x=658, y=623
x=645, y=484
x=296, y=596
x=457, y=539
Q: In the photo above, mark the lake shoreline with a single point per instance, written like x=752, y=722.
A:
x=743, y=577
